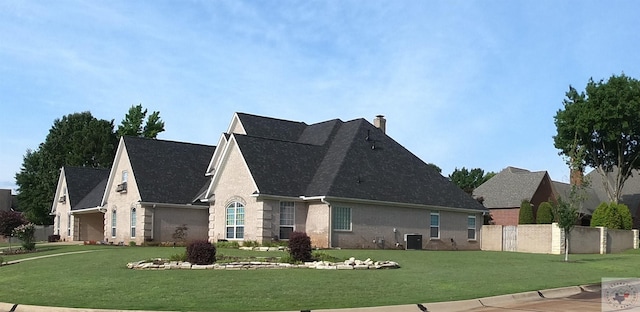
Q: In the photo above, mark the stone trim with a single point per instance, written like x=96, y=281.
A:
x=351, y=264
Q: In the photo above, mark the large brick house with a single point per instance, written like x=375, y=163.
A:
x=346, y=184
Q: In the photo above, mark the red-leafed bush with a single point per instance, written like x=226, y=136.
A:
x=300, y=246
x=201, y=252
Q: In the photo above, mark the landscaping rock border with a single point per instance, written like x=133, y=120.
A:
x=351, y=264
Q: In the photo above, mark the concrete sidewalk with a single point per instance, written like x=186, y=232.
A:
x=576, y=298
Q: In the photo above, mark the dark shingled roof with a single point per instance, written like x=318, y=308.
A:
x=168, y=171
x=352, y=159
x=94, y=198
x=81, y=182
x=509, y=187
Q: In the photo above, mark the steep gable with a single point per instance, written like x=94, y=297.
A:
x=81, y=181
x=167, y=171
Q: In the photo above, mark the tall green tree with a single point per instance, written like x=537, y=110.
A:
x=435, y=167
x=77, y=139
x=604, y=122
x=469, y=180
x=132, y=123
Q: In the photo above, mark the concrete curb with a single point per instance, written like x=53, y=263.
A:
x=453, y=306
x=562, y=292
x=591, y=288
x=501, y=300
x=6, y=307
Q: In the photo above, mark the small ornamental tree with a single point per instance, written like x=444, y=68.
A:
x=612, y=216
x=26, y=233
x=545, y=214
x=201, y=252
x=526, y=213
x=300, y=246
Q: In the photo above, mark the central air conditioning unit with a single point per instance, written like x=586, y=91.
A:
x=62, y=199
x=413, y=241
x=122, y=187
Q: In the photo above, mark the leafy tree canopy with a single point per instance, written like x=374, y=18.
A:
x=9, y=220
x=604, y=122
x=77, y=139
x=469, y=180
x=132, y=123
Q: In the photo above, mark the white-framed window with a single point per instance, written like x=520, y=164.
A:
x=287, y=219
x=113, y=222
x=133, y=222
x=235, y=221
x=58, y=223
x=471, y=227
x=341, y=218
x=434, y=231
x=69, y=224
x=125, y=176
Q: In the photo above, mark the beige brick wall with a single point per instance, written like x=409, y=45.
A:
x=122, y=203
x=235, y=184
x=534, y=238
x=317, y=224
x=491, y=237
x=584, y=240
x=619, y=240
x=61, y=218
x=371, y=222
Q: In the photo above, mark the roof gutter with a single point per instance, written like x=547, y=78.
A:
x=185, y=206
x=388, y=203
x=88, y=210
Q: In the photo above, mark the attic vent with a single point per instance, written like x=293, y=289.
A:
x=121, y=187
x=62, y=199
x=368, y=138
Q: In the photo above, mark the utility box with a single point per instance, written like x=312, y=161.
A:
x=413, y=241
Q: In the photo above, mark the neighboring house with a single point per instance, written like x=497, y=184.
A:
x=8, y=202
x=503, y=193
x=153, y=188
x=346, y=184
x=76, y=204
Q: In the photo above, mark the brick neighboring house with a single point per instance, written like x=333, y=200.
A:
x=346, y=184
x=153, y=187
x=76, y=204
x=504, y=193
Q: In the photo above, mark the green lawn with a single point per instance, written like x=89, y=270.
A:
x=100, y=279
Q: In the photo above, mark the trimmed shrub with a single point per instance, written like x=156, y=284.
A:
x=545, y=213
x=201, y=252
x=612, y=216
x=526, y=213
x=300, y=246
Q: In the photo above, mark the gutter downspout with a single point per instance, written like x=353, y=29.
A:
x=330, y=228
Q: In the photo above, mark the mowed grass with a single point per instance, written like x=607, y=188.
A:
x=100, y=279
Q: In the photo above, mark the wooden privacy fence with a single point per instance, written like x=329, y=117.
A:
x=549, y=239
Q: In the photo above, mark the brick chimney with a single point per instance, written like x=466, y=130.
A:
x=380, y=123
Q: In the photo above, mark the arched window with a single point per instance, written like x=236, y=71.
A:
x=113, y=223
x=133, y=222
x=58, y=224
x=235, y=221
x=69, y=224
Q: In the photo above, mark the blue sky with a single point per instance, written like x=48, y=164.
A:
x=461, y=83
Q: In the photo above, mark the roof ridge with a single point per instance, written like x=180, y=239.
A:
x=272, y=139
x=272, y=118
x=129, y=137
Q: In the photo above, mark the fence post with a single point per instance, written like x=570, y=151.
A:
x=635, y=238
x=557, y=239
x=603, y=240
